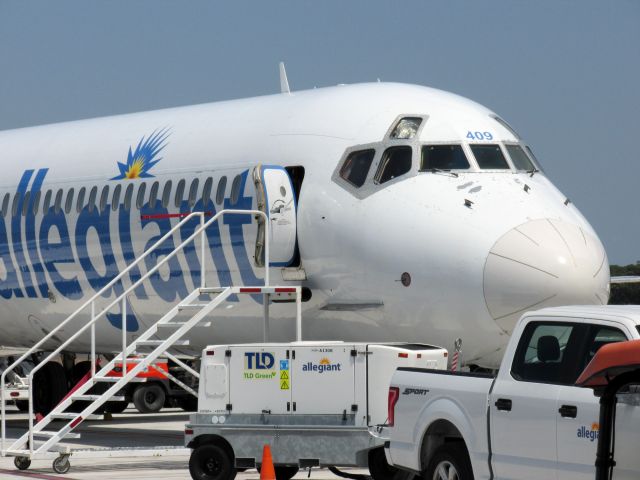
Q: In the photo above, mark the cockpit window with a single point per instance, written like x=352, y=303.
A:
x=535, y=159
x=489, y=157
x=395, y=161
x=443, y=157
x=519, y=158
x=356, y=167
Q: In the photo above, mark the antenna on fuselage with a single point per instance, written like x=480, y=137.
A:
x=284, y=83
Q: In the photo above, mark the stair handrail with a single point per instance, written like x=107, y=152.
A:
x=199, y=231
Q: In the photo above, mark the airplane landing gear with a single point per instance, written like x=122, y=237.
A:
x=49, y=387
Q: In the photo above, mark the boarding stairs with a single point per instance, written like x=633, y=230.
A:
x=43, y=438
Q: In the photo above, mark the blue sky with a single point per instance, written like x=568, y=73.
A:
x=566, y=74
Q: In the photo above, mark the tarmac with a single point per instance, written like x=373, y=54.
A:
x=129, y=430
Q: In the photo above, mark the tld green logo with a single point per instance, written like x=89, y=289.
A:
x=258, y=360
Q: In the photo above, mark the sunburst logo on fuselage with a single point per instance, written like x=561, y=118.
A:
x=144, y=157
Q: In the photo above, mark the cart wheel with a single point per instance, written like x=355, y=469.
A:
x=22, y=463
x=61, y=464
x=211, y=462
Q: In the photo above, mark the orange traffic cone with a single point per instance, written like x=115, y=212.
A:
x=267, y=472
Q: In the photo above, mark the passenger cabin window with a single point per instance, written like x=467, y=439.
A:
x=235, y=189
x=25, y=203
x=557, y=352
x=179, y=193
x=206, y=192
x=222, y=187
x=68, y=204
x=104, y=198
x=396, y=161
x=519, y=158
x=45, y=205
x=35, y=204
x=193, y=190
x=115, y=201
x=153, y=194
x=5, y=203
x=356, y=167
x=443, y=157
x=140, y=198
x=92, y=198
x=14, y=206
x=166, y=194
x=489, y=157
x=127, y=197
x=80, y=203
x=58, y=203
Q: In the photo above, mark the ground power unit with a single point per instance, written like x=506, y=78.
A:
x=315, y=404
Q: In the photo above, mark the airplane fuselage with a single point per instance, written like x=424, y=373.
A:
x=427, y=255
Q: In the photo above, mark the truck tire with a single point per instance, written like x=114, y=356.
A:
x=149, y=398
x=211, y=462
x=450, y=461
x=378, y=466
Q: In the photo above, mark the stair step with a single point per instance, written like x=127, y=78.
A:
x=71, y=416
x=17, y=453
x=155, y=343
x=212, y=290
x=175, y=325
x=107, y=379
x=48, y=434
x=184, y=306
x=91, y=398
x=63, y=416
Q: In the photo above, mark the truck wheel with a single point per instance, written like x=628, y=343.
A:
x=378, y=466
x=285, y=472
x=149, y=398
x=451, y=462
x=211, y=462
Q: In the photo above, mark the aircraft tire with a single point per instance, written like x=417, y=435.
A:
x=49, y=387
x=22, y=405
x=149, y=397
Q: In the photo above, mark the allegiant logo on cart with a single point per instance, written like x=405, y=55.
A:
x=324, y=365
x=591, y=435
x=258, y=361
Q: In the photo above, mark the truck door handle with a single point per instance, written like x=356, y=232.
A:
x=503, y=404
x=568, y=411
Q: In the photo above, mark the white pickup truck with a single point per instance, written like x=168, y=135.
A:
x=530, y=421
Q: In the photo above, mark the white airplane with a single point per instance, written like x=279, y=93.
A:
x=406, y=212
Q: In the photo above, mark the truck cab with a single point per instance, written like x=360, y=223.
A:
x=546, y=423
x=530, y=421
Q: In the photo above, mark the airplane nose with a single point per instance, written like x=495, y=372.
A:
x=544, y=263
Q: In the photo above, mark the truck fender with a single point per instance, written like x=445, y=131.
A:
x=212, y=439
x=439, y=421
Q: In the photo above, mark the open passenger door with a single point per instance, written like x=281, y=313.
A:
x=276, y=197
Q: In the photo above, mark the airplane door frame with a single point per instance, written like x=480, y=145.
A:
x=264, y=204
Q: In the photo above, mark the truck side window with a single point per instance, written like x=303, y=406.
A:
x=554, y=352
x=541, y=353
